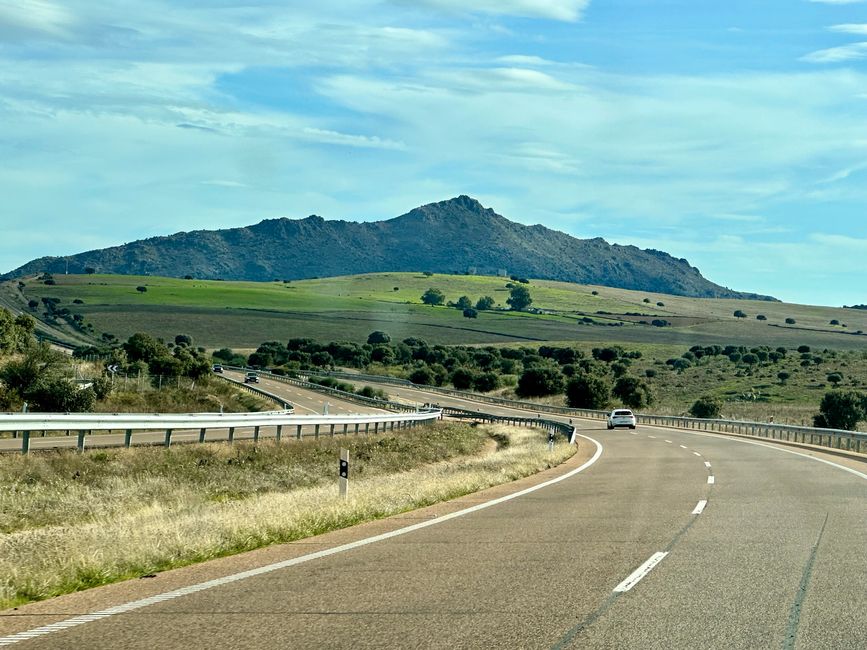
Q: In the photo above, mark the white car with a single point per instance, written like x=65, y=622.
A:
x=621, y=418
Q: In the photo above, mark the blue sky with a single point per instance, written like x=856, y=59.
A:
x=733, y=133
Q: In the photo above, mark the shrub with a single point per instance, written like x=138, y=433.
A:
x=790, y=321
x=706, y=407
x=378, y=338
x=539, y=381
x=841, y=410
x=470, y=313
x=485, y=302
x=588, y=392
x=633, y=392
x=141, y=289
x=486, y=382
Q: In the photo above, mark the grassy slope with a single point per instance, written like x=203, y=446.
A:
x=104, y=516
x=243, y=314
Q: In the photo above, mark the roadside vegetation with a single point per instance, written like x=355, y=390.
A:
x=146, y=375
x=74, y=521
x=759, y=383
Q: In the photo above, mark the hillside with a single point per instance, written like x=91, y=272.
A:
x=454, y=236
x=243, y=314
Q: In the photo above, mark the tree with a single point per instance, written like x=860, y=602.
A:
x=485, y=302
x=588, y=392
x=835, y=378
x=89, y=270
x=834, y=321
x=422, y=376
x=378, y=338
x=486, y=382
x=840, y=410
x=33, y=304
x=783, y=376
x=539, y=381
x=184, y=340
x=143, y=347
x=463, y=378
x=633, y=392
x=464, y=302
x=740, y=314
x=706, y=408
x=433, y=297
x=470, y=313
x=761, y=317
x=519, y=298
x=790, y=321
x=141, y=289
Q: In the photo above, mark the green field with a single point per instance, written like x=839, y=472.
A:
x=243, y=314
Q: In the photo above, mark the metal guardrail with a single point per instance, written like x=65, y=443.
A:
x=567, y=430
x=85, y=423
x=854, y=441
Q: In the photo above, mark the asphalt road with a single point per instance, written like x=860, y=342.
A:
x=755, y=546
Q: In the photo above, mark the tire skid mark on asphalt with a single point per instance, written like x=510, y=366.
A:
x=269, y=568
x=801, y=596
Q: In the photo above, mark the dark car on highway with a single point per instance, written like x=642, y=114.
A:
x=251, y=378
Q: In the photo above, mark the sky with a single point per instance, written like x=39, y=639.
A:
x=731, y=133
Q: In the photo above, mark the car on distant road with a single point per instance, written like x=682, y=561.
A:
x=218, y=367
x=621, y=418
x=251, y=378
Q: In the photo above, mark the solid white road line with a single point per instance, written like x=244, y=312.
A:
x=711, y=480
x=700, y=507
x=636, y=576
x=218, y=582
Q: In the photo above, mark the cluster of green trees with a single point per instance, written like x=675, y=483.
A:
x=587, y=381
x=518, y=300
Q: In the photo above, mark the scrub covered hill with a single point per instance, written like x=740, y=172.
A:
x=454, y=236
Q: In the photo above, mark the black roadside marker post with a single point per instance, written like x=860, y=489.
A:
x=550, y=441
x=344, y=472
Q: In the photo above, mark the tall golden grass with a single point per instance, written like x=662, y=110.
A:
x=102, y=538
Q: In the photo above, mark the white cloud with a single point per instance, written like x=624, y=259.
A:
x=563, y=10
x=837, y=54
x=850, y=28
x=22, y=18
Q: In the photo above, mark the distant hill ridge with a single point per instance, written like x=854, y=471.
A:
x=451, y=236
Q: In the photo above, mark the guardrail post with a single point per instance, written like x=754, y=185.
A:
x=168, y=441
x=256, y=434
x=376, y=427
x=345, y=427
x=231, y=435
x=332, y=430
x=316, y=432
x=298, y=432
x=80, y=444
x=202, y=434
x=25, y=442
x=356, y=427
x=366, y=427
x=279, y=433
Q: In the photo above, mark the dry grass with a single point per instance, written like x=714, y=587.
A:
x=128, y=525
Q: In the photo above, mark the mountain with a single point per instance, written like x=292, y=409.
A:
x=451, y=236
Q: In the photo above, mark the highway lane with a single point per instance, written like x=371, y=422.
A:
x=306, y=401
x=774, y=559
